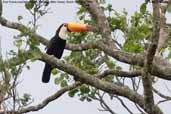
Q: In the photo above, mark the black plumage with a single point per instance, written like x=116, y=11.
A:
x=56, y=47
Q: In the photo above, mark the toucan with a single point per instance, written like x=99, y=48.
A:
x=57, y=44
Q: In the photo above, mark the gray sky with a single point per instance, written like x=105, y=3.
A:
x=31, y=79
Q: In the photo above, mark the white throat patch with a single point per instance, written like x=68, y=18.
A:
x=63, y=33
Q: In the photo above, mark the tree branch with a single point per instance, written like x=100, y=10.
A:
x=21, y=28
x=45, y=102
x=119, y=73
x=161, y=95
x=164, y=29
x=17, y=60
x=99, y=16
x=124, y=105
x=148, y=63
x=81, y=47
x=111, y=88
x=49, y=99
x=95, y=82
x=103, y=104
x=161, y=68
x=134, y=59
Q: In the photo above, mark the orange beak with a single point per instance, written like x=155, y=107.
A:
x=78, y=27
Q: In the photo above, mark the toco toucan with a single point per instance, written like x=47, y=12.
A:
x=57, y=43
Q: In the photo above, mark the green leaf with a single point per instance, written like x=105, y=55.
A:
x=118, y=68
x=169, y=8
x=14, y=71
x=54, y=71
x=18, y=43
x=109, y=7
x=46, y=2
x=33, y=42
x=19, y=17
x=29, y=5
x=25, y=99
x=64, y=83
x=84, y=89
x=58, y=80
x=73, y=92
x=110, y=64
x=132, y=46
x=108, y=78
x=36, y=54
x=143, y=8
x=81, y=11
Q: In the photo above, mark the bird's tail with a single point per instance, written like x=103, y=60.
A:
x=46, y=73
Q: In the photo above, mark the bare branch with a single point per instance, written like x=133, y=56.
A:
x=139, y=108
x=49, y=99
x=124, y=105
x=103, y=104
x=165, y=97
x=45, y=102
x=161, y=95
x=135, y=84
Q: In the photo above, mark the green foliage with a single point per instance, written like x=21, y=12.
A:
x=25, y=99
x=84, y=93
x=92, y=59
x=35, y=54
x=84, y=89
x=132, y=46
x=108, y=78
x=19, y=17
x=169, y=8
x=37, y=9
x=64, y=83
x=29, y=5
x=54, y=71
x=58, y=80
x=73, y=92
x=138, y=32
x=168, y=50
x=137, y=29
x=14, y=71
x=26, y=47
x=62, y=80
x=143, y=8
x=18, y=43
x=27, y=41
x=116, y=20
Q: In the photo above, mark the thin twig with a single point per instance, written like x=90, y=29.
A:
x=124, y=105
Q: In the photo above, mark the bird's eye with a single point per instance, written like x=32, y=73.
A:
x=65, y=25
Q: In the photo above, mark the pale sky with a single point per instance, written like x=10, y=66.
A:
x=31, y=79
